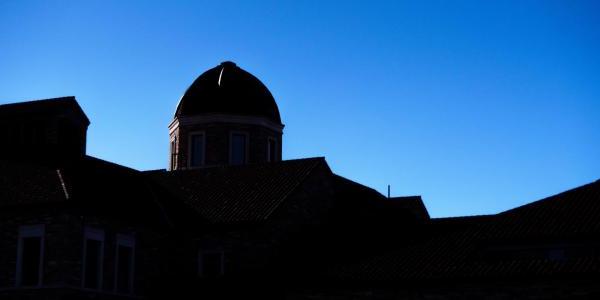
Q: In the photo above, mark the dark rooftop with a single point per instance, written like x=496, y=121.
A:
x=228, y=89
x=542, y=238
x=236, y=194
x=62, y=106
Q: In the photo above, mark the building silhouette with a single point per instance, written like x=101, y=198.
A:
x=226, y=117
x=230, y=218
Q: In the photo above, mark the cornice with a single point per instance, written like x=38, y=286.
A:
x=219, y=118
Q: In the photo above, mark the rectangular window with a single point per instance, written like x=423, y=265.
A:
x=271, y=150
x=197, y=150
x=174, y=154
x=211, y=263
x=124, y=264
x=238, y=148
x=30, y=256
x=93, y=257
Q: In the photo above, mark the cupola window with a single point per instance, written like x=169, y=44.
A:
x=238, y=149
x=197, y=150
x=174, y=153
x=271, y=150
x=236, y=116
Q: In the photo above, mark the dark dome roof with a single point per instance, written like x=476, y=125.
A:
x=227, y=89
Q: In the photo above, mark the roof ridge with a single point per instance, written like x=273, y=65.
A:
x=232, y=195
x=26, y=102
x=463, y=217
x=405, y=197
x=549, y=198
x=360, y=184
x=153, y=171
x=112, y=164
x=290, y=191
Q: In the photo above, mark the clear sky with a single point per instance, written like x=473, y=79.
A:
x=476, y=106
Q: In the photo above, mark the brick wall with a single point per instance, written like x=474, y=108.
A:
x=217, y=136
x=63, y=253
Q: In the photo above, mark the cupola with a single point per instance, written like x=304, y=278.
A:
x=226, y=117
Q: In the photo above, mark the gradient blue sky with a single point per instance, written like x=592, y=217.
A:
x=476, y=106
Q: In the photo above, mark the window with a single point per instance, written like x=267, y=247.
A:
x=124, y=264
x=238, y=148
x=93, y=257
x=196, y=150
x=174, y=153
x=30, y=256
x=271, y=150
x=211, y=263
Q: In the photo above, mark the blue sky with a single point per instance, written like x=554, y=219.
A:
x=478, y=106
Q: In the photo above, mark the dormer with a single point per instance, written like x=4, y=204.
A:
x=49, y=130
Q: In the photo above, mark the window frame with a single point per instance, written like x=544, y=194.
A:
x=96, y=235
x=189, y=159
x=173, y=152
x=246, y=146
x=126, y=240
x=28, y=231
x=274, y=141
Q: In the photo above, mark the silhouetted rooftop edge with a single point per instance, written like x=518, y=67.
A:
x=228, y=89
x=43, y=107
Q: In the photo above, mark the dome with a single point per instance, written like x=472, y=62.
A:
x=227, y=89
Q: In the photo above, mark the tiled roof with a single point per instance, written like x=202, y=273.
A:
x=88, y=185
x=556, y=236
x=573, y=212
x=234, y=194
x=22, y=184
x=456, y=257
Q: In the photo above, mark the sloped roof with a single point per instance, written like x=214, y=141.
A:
x=361, y=205
x=555, y=236
x=23, y=184
x=573, y=212
x=65, y=106
x=458, y=256
x=89, y=185
x=235, y=194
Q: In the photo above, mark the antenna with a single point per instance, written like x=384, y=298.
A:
x=388, y=191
